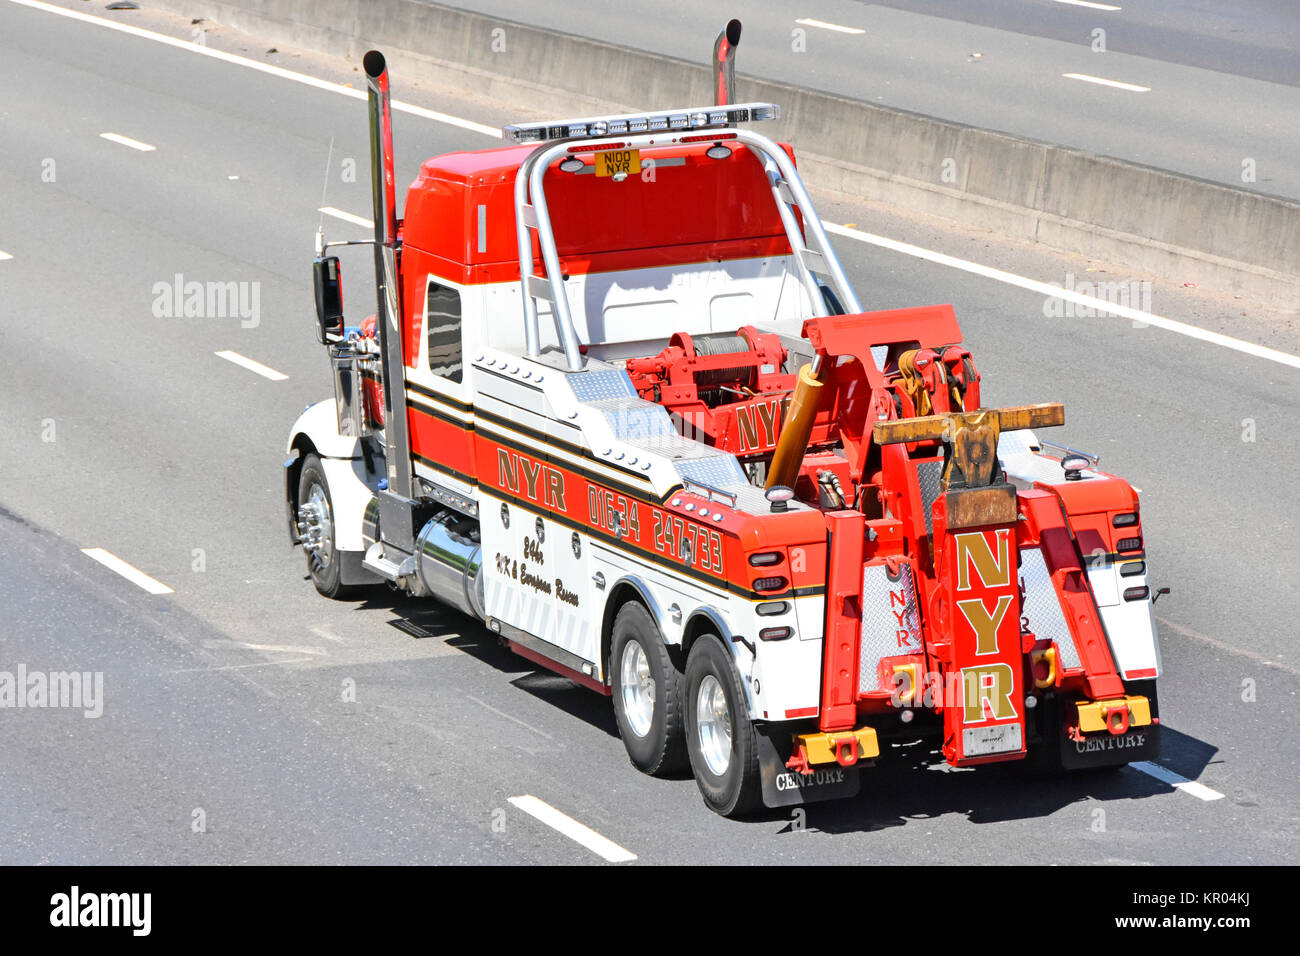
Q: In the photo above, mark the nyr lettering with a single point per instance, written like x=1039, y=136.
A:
x=984, y=568
x=530, y=479
x=757, y=424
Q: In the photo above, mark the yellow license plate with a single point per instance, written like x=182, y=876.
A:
x=618, y=161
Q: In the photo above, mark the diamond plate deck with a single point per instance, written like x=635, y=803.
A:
x=595, y=384
x=1042, y=609
x=884, y=634
x=930, y=475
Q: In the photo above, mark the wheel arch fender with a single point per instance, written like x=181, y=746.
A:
x=315, y=432
x=351, y=488
x=319, y=423
x=709, y=620
x=629, y=587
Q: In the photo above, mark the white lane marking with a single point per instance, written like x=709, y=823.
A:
x=1175, y=781
x=328, y=635
x=1102, y=81
x=255, y=65
x=238, y=667
x=1090, y=5
x=252, y=366
x=823, y=25
x=127, y=141
x=1069, y=295
x=346, y=216
x=1170, y=325
x=132, y=574
x=502, y=713
x=283, y=648
x=571, y=828
x=4, y=255
x=447, y=118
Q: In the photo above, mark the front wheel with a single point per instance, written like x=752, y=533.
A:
x=720, y=738
x=316, y=529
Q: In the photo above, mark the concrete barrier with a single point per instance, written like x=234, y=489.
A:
x=1149, y=220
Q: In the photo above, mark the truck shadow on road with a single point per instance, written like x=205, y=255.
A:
x=911, y=783
x=420, y=620
x=915, y=785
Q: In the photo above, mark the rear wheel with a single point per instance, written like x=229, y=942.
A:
x=720, y=738
x=316, y=530
x=647, y=693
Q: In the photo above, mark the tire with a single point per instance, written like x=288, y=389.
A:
x=325, y=563
x=647, y=693
x=726, y=770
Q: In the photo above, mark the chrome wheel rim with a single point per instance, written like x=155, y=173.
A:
x=320, y=526
x=638, y=688
x=713, y=723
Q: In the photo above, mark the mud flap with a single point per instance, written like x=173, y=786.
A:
x=353, y=572
x=1113, y=750
x=1110, y=750
x=292, y=469
x=787, y=788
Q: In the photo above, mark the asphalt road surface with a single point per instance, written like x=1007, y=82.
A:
x=247, y=720
x=1219, y=83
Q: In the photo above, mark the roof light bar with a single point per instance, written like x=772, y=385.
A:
x=664, y=121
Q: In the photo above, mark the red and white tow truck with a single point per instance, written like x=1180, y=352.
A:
x=621, y=403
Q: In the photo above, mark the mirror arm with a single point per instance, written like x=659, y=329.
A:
x=347, y=242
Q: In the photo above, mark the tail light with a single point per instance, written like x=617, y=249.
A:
x=1129, y=544
x=1136, y=594
x=1132, y=568
x=771, y=608
x=775, y=633
x=596, y=147
x=712, y=137
x=765, y=558
x=770, y=584
x=1125, y=520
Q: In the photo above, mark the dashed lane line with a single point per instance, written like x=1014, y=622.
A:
x=347, y=217
x=245, y=362
x=1102, y=81
x=604, y=848
x=823, y=25
x=128, y=141
x=130, y=572
x=1198, y=790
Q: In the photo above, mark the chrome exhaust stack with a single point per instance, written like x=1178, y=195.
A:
x=388, y=315
x=724, y=64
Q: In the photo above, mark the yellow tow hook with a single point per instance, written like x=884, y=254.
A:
x=845, y=748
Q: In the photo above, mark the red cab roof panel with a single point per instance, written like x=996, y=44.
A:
x=687, y=208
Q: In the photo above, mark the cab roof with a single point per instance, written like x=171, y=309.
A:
x=686, y=207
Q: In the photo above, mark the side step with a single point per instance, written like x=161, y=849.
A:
x=378, y=563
